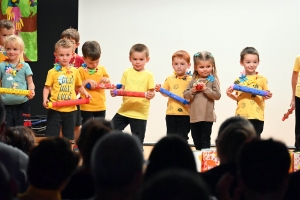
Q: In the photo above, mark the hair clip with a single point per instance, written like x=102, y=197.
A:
x=197, y=54
x=211, y=55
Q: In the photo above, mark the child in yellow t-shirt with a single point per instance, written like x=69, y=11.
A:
x=63, y=80
x=93, y=74
x=135, y=110
x=248, y=105
x=177, y=115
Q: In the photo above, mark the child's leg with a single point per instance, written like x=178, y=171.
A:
x=53, y=123
x=183, y=126
x=258, y=126
x=196, y=135
x=68, y=124
x=138, y=128
x=23, y=110
x=78, y=123
x=9, y=116
x=297, y=123
x=119, y=122
x=205, y=134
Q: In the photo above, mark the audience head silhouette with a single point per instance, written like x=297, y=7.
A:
x=233, y=132
x=170, y=152
x=174, y=184
x=92, y=130
x=263, y=169
x=117, y=164
x=51, y=163
x=7, y=192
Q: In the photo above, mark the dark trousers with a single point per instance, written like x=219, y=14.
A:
x=297, y=123
x=201, y=132
x=258, y=126
x=65, y=120
x=137, y=126
x=15, y=114
x=89, y=114
x=178, y=125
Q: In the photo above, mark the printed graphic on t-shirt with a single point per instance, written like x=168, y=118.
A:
x=66, y=85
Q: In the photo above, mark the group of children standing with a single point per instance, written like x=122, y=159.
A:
x=71, y=73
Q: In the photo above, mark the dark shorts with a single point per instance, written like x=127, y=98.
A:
x=16, y=114
x=65, y=120
x=89, y=114
x=78, y=119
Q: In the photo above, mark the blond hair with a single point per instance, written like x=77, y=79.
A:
x=64, y=43
x=15, y=41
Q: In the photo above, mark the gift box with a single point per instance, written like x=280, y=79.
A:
x=296, y=161
x=198, y=159
x=209, y=159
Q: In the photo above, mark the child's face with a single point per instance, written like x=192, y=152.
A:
x=13, y=52
x=138, y=60
x=91, y=64
x=4, y=32
x=250, y=63
x=63, y=55
x=204, y=68
x=180, y=66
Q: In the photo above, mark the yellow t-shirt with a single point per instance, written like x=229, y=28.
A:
x=62, y=85
x=97, y=103
x=297, y=69
x=248, y=105
x=176, y=85
x=136, y=107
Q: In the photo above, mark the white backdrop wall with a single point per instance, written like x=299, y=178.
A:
x=222, y=27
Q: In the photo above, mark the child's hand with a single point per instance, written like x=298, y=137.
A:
x=150, y=95
x=92, y=83
x=112, y=93
x=292, y=104
x=31, y=95
x=229, y=91
x=200, y=86
x=269, y=95
x=104, y=80
x=194, y=89
x=157, y=87
x=45, y=103
x=87, y=95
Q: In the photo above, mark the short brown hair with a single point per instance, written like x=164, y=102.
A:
x=91, y=49
x=139, y=48
x=64, y=43
x=70, y=33
x=182, y=54
x=4, y=23
x=249, y=50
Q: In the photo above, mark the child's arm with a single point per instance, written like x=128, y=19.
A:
x=214, y=92
x=91, y=82
x=46, y=93
x=81, y=90
x=294, y=83
x=190, y=92
x=229, y=92
x=30, y=86
x=150, y=94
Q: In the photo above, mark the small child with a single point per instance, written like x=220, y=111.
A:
x=295, y=102
x=202, y=92
x=63, y=79
x=248, y=105
x=135, y=110
x=6, y=29
x=76, y=61
x=177, y=115
x=92, y=73
x=17, y=75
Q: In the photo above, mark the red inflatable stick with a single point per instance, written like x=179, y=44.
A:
x=129, y=93
x=68, y=103
x=286, y=115
x=104, y=86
